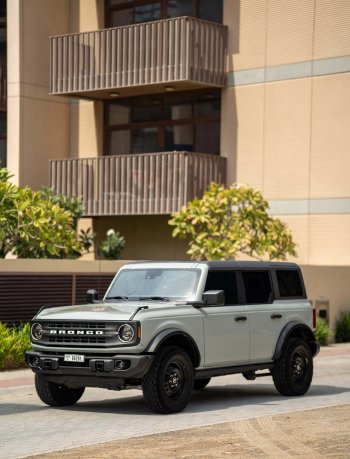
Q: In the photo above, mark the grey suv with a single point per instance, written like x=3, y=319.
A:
x=170, y=327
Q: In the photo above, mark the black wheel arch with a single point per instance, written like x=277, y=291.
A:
x=176, y=337
x=296, y=330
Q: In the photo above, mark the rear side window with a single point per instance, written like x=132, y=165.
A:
x=226, y=281
x=257, y=286
x=289, y=283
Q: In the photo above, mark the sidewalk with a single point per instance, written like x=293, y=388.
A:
x=25, y=377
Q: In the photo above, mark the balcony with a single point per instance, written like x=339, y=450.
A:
x=181, y=53
x=138, y=184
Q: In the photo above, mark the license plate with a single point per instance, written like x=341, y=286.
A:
x=73, y=358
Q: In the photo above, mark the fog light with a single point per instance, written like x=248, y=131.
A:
x=34, y=361
x=120, y=364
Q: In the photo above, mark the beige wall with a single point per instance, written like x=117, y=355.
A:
x=37, y=124
x=86, y=117
x=147, y=237
x=40, y=126
x=290, y=138
x=328, y=284
x=274, y=32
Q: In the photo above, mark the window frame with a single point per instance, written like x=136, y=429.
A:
x=161, y=124
x=272, y=284
x=109, y=9
x=277, y=290
x=238, y=285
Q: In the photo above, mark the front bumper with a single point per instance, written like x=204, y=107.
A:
x=96, y=371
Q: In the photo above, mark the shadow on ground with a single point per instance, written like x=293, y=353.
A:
x=209, y=399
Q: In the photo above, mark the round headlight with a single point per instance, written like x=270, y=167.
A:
x=37, y=331
x=126, y=333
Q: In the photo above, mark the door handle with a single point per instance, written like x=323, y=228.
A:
x=240, y=318
x=276, y=316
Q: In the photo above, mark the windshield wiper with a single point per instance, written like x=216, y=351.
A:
x=125, y=298
x=153, y=298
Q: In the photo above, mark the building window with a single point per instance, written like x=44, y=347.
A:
x=124, y=12
x=188, y=121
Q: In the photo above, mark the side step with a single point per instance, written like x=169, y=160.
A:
x=251, y=375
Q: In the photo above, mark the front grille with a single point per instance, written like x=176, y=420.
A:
x=68, y=339
x=97, y=334
x=83, y=325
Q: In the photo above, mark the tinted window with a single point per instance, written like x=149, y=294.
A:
x=289, y=283
x=257, y=287
x=223, y=280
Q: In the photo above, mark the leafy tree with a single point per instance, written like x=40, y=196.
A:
x=71, y=204
x=229, y=221
x=33, y=227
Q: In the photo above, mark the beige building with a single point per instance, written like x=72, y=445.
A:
x=138, y=105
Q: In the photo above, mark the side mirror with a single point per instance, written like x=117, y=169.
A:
x=214, y=298
x=91, y=296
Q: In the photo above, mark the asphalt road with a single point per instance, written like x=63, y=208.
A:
x=28, y=427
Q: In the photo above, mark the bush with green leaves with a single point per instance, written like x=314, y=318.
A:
x=13, y=344
x=229, y=221
x=87, y=237
x=34, y=225
x=111, y=248
x=342, y=328
x=322, y=331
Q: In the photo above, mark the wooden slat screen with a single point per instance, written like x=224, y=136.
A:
x=179, y=49
x=22, y=295
x=139, y=184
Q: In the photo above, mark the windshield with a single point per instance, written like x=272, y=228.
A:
x=156, y=284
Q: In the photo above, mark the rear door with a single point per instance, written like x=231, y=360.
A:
x=265, y=316
x=226, y=328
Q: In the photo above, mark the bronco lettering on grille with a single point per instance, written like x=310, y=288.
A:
x=76, y=332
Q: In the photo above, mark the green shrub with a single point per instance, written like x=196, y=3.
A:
x=13, y=344
x=112, y=246
x=322, y=331
x=342, y=328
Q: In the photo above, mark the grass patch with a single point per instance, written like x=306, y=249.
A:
x=342, y=328
x=322, y=331
x=13, y=344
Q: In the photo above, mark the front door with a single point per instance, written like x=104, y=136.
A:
x=226, y=328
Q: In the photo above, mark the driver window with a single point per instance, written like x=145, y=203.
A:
x=226, y=281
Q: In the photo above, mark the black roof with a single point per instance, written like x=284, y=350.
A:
x=233, y=264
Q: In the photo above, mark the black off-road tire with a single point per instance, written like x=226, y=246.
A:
x=200, y=384
x=56, y=394
x=292, y=374
x=168, y=384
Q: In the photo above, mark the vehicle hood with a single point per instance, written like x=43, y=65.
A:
x=96, y=312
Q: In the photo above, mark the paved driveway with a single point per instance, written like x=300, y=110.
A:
x=28, y=427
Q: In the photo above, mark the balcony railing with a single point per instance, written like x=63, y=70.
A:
x=184, y=50
x=139, y=184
